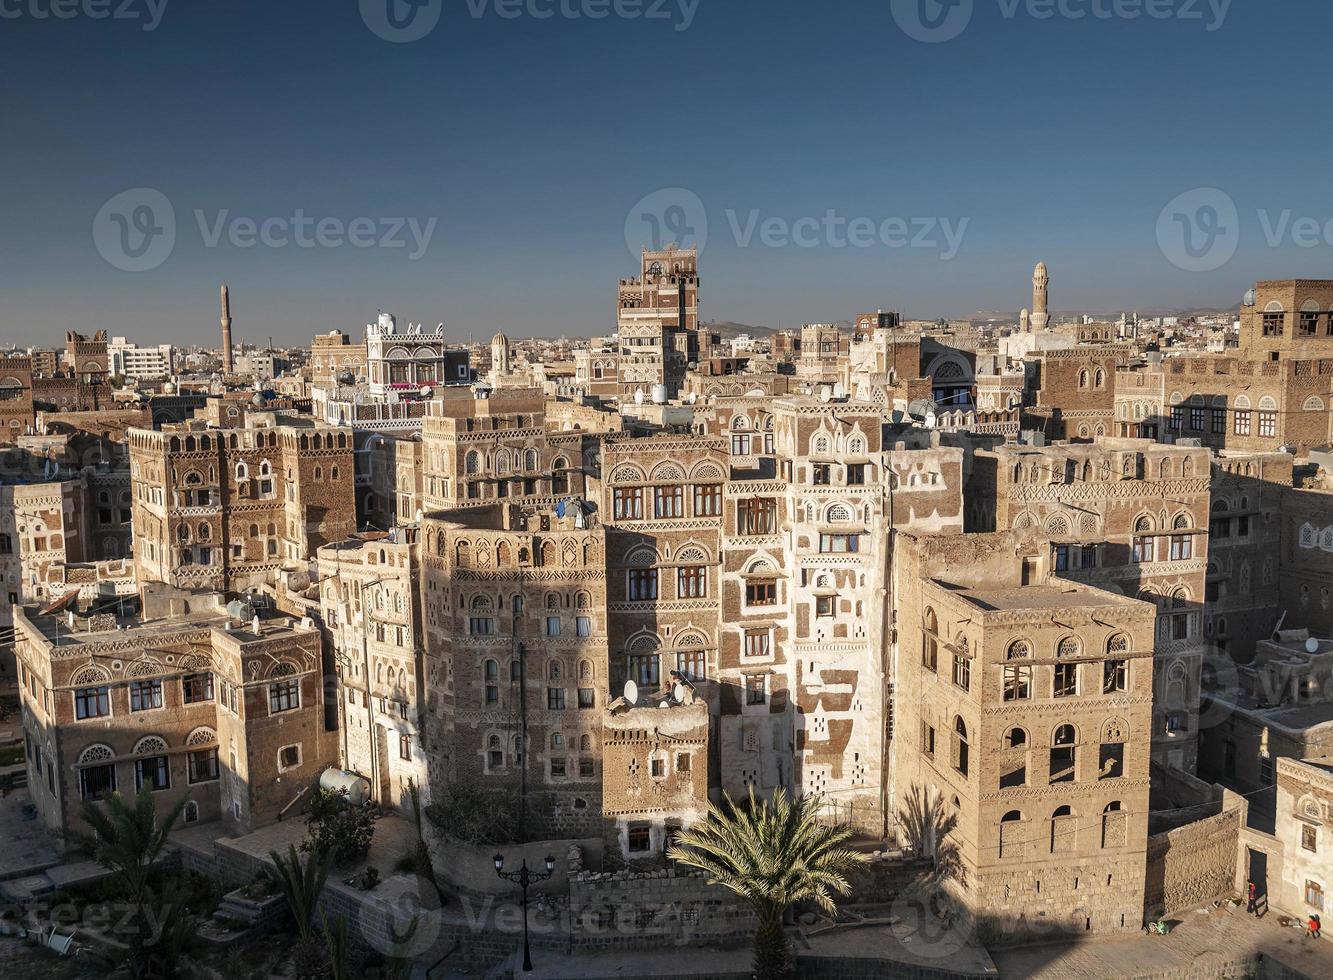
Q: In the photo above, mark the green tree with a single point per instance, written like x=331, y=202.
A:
x=340, y=831
x=301, y=879
x=773, y=854
x=126, y=837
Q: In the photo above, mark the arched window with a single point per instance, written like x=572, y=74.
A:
x=1062, y=830
x=960, y=746
x=930, y=651
x=1113, y=825
x=472, y=462
x=1063, y=754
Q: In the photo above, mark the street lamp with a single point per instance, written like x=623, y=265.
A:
x=524, y=878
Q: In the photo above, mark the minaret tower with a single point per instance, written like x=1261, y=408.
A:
x=500, y=357
x=227, y=365
x=1041, y=284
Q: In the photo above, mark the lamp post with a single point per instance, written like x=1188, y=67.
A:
x=524, y=878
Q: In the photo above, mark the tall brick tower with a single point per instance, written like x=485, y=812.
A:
x=227, y=365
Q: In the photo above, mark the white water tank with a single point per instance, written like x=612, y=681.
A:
x=659, y=395
x=356, y=787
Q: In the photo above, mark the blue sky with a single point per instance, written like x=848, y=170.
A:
x=525, y=142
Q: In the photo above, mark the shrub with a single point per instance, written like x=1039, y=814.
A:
x=339, y=831
x=468, y=813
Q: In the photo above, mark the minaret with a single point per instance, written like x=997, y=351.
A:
x=1041, y=283
x=227, y=365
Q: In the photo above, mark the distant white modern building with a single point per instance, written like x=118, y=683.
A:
x=142, y=363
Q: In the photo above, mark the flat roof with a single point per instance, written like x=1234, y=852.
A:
x=1038, y=598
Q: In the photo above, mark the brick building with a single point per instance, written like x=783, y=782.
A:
x=226, y=509
x=515, y=608
x=657, y=324
x=186, y=700
x=370, y=607
x=1025, y=709
x=1128, y=516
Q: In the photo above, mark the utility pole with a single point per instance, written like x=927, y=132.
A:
x=520, y=607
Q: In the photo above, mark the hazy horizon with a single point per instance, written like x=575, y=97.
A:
x=496, y=171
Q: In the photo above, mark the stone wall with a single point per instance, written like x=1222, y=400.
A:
x=1193, y=864
x=660, y=908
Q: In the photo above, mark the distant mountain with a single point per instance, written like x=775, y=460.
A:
x=1061, y=315
x=731, y=330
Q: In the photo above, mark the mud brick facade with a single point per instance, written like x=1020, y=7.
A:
x=515, y=608
x=16, y=396
x=333, y=358
x=1026, y=710
x=657, y=324
x=86, y=357
x=482, y=449
x=226, y=509
x=370, y=607
x=1252, y=516
x=655, y=773
x=1130, y=517
x=1303, y=871
x=1192, y=865
x=1073, y=391
x=1305, y=564
x=186, y=701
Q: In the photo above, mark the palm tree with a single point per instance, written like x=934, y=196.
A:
x=301, y=878
x=773, y=854
x=127, y=838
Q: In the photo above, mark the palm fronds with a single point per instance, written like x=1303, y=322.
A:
x=301, y=878
x=773, y=854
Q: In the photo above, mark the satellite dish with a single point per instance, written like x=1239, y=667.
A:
x=825, y=395
x=678, y=691
x=631, y=692
x=1312, y=645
